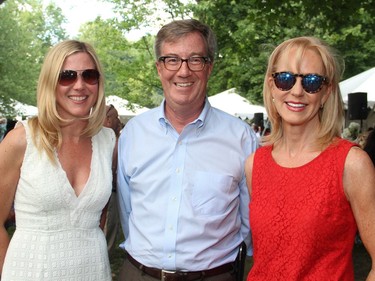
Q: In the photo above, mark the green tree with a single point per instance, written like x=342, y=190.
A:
x=26, y=32
x=129, y=66
x=248, y=30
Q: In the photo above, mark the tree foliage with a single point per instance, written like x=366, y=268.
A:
x=27, y=30
x=129, y=66
x=247, y=31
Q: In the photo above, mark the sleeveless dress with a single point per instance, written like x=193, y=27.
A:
x=57, y=235
x=301, y=222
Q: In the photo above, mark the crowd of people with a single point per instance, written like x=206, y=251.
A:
x=194, y=189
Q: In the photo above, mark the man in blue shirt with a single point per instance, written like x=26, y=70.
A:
x=182, y=192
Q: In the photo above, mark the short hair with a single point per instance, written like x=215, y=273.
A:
x=47, y=123
x=331, y=116
x=180, y=28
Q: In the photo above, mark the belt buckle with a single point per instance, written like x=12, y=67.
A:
x=164, y=274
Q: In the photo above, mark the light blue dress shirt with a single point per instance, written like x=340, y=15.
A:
x=183, y=197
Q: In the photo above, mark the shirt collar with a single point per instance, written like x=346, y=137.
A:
x=199, y=122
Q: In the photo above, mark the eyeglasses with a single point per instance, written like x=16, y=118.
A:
x=68, y=77
x=193, y=63
x=311, y=83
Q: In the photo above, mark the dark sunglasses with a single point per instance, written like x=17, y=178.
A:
x=68, y=77
x=311, y=83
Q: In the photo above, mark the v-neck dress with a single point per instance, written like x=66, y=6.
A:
x=57, y=233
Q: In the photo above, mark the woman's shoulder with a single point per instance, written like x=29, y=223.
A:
x=359, y=173
x=357, y=158
x=17, y=136
x=107, y=131
x=106, y=135
x=14, y=144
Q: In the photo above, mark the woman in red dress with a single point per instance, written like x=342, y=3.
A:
x=311, y=190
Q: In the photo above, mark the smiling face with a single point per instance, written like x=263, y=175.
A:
x=76, y=100
x=184, y=90
x=296, y=106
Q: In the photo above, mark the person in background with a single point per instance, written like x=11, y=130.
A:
x=257, y=130
x=181, y=185
x=57, y=168
x=112, y=225
x=369, y=145
x=310, y=189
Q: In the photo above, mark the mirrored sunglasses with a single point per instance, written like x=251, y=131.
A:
x=311, y=83
x=89, y=76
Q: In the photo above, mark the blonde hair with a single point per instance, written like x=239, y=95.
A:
x=46, y=127
x=331, y=116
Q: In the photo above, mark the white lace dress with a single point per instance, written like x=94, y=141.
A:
x=57, y=234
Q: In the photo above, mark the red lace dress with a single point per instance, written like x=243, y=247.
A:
x=302, y=224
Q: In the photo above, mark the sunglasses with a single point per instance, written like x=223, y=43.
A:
x=68, y=77
x=311, y=83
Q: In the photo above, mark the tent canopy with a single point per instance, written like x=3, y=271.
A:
x=362, y=82
x=22, y=109
x=236, y=105
x=124, y=108
x=25, y=109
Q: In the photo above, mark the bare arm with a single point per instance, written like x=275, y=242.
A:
x=12, y=150
x=103, y=217
x=249, y=172
x=359, y=185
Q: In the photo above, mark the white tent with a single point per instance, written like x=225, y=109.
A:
x=124, y=108
x=236, y=105
x=363, y=82
x=23, y=109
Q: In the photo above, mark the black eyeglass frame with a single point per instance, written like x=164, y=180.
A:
x=204, y=61
x=323, y=80
x=68, y=77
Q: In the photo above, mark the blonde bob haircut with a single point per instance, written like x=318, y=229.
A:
x=46, y=127
x=331, y=114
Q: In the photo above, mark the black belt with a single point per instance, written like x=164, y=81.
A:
x=171, y=275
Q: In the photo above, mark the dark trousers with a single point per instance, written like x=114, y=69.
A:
x=129, y=272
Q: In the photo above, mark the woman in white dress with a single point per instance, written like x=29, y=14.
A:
x=56, y=167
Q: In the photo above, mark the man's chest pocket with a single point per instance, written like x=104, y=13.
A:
x=212, y=193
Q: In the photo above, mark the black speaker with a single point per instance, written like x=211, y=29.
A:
x=357, y=106
x=258, y=119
